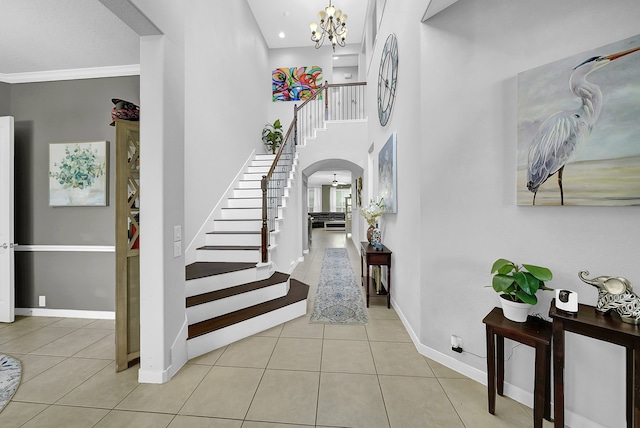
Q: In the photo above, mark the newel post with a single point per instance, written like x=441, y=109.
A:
x=265, y=226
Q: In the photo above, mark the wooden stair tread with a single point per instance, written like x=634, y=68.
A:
x=298, y=291
x=230, y=247
x=203, y=269
x=276, y=278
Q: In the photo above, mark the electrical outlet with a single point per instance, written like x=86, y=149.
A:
x=42, y=301
x=177, y=249
x=456, y=343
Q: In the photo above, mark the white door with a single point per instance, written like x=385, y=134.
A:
x=6, y=221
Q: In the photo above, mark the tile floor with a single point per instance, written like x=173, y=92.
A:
x=294, y=375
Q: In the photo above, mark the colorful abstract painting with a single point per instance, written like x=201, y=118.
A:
x=296, y=83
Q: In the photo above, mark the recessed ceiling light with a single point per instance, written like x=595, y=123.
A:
x=335, y=58
x=281, y=35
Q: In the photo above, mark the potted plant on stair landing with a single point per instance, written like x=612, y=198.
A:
x=272, y=136
x=517, y=286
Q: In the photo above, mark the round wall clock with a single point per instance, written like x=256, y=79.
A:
x=387, y=78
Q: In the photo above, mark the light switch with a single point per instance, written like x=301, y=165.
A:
x=177, y=249
x=177, y=233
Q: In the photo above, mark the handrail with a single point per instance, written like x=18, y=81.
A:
x=347, y=103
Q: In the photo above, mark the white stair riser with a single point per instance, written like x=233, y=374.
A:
x=237, y=225
x=247, y=193
x=244, y=203
x=193, y=287
x=208, y=342
x=265, y=156
x=253, y=177
x=266, y=163
x=262, y=170
x=249, y=184
x=230, y=304
x=233, y=239
x=241, y=213
x=248, y=256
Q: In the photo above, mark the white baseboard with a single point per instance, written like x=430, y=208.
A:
x=65, y=313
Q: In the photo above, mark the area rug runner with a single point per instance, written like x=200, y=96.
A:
x=338, y=299
x=10, y=372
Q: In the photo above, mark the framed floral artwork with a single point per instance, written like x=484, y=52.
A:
x=79, y=174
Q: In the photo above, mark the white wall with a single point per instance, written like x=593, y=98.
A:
x=457, y=178
x=227, y=91
x=163, y=328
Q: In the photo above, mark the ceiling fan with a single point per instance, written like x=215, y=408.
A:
x=336, y=183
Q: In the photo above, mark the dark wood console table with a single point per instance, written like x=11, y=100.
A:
x=373, y=257
x=603, y=327
x=536, y=333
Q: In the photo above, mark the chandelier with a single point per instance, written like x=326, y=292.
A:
x=333, y=25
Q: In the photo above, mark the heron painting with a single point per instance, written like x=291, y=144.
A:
x=579, y=129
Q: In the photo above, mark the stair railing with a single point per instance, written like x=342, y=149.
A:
x=338, y=102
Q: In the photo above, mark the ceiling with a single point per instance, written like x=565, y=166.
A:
x=44, y=35
x=320, y=178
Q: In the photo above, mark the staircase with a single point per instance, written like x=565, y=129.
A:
x=230, y=294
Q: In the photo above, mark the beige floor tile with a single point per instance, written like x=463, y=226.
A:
x=15, y=414
x=443, y=371
x=35, y=339
x=36, y=321
x=104, y=324
x=120, y=419
x=33, y=365
x=287, y=397
x=67, y=417
x=378, y=310
x=272, y=332
x=72, y=322
x=250, y=352
x=351, y=400
x=253, y=424
x=200, y=422
x=393, y=358
x=349, y=332
x=301, y=328
x=72, y=343
x=208, y=359
x=167, y=397
x=387, y=330
x=296, y=354
x=53, y=384
x=226, y=392
x=104, y=390
x=14, y=331
x=103, y=349
x=470, y=401
x=417, y=402
x=347, y=356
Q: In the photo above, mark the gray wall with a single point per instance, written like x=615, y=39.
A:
x=76, y=110
x=4, y=99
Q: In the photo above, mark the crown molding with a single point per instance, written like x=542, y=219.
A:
x=74, y=74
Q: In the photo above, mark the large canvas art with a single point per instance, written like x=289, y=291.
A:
x=387, y=175
x=578, y=129
x=78, y=174
x=295, y=83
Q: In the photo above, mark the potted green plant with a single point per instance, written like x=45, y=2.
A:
x=272, y=136
x=518, y=285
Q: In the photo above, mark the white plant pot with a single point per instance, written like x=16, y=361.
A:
x=515, y=311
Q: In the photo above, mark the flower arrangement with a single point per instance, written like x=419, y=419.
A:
x=78, y=169
x=372, y=211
